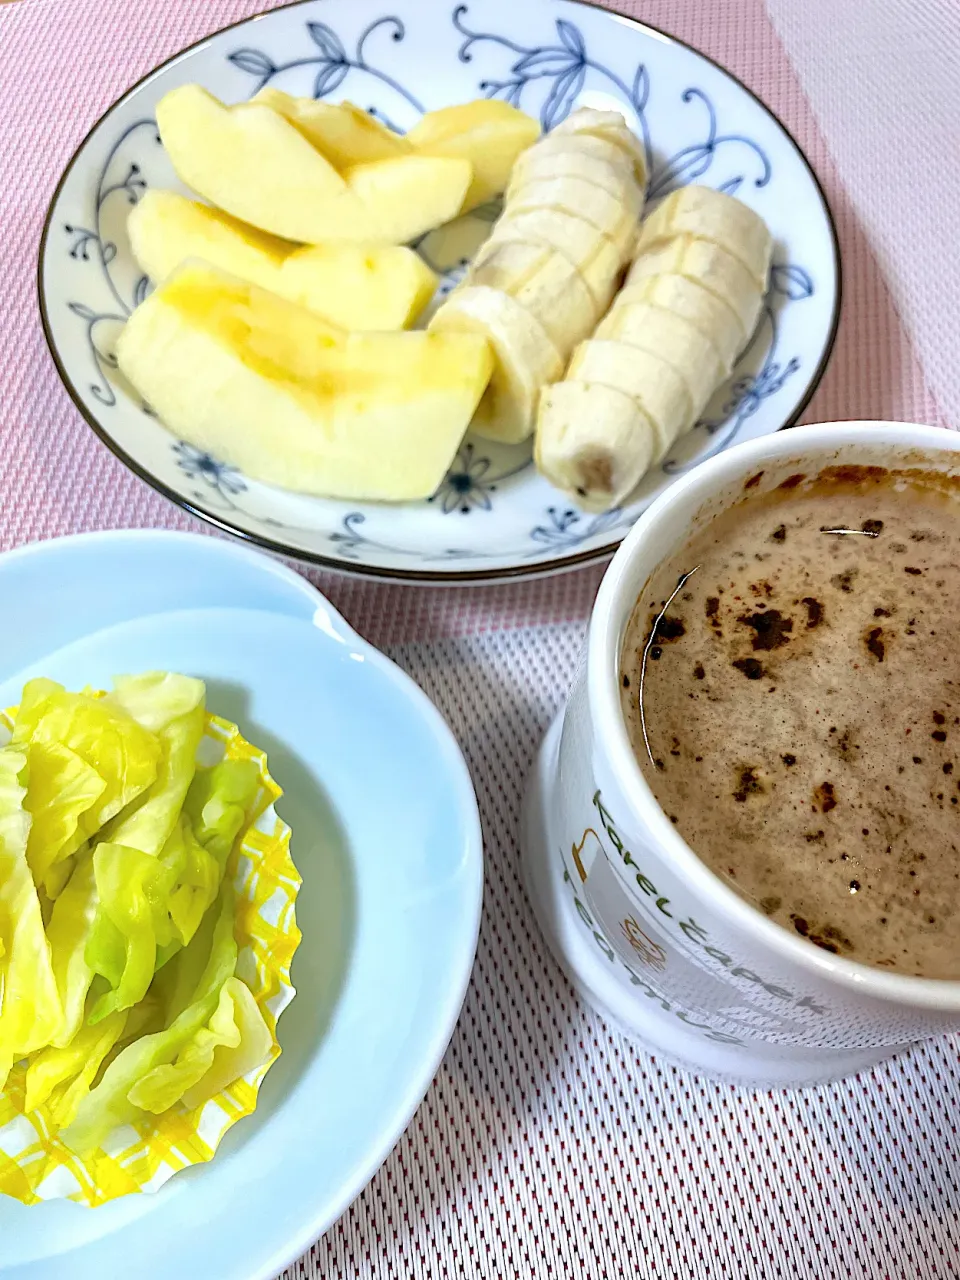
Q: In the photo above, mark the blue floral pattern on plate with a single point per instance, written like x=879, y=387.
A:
x=696, y=124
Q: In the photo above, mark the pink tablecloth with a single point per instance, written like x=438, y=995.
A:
x=548, y=1144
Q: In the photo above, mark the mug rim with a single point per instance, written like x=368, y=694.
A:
x=610, y=615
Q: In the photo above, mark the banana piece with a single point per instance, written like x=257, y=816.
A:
x=525, y=358
x=671, y=338
x=609, y=126
x=654, y=385
x=606, y=212
x=544, y=283
x=567, y=232
x=690, y=300
x=711, y=215
x=709, y=265
x=550, y=266
x=586, y=145
x=578, y=241
x=572, y=160
x=602, y=273
x=601, y=469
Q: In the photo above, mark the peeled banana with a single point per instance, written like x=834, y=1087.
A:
x=673, y=339
x=571, y=158
x=525, y=359
x=544, y=283
x=654, y=385
x=690, y=302
x=552, y=262
x=609, y=126
x=590, y=463
x=710, y=266
x=720, y=219
x=715, y=318
x=616, y=215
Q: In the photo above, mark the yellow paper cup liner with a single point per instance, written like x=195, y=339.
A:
x=35, y=1165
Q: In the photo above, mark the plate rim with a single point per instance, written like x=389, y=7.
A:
x=380, y=573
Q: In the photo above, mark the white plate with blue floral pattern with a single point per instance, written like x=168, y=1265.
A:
x=493, y=516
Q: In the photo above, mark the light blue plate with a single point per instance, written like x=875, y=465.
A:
x=387, y=838
x=494, y=516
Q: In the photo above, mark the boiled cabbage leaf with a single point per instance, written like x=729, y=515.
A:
x=196, y=880
x=220, y=803
x=30, y=1009
x=109, y=1105
x=68, y=933
x=133, y=884
x=234, y=1041
x=122, y=752
x=171, y=707
x=63, y=1077
x=63, y=788
x=133, y=919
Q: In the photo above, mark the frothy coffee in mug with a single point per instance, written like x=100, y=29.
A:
x=791, y=685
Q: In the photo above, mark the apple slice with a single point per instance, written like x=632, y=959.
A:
x=490, y=134
x=341, y=132
x=254, y=164
x=358, y=286
x=405, y=196
x=293, y=401
x=165, y=227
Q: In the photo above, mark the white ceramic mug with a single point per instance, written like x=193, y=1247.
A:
x=648, y=934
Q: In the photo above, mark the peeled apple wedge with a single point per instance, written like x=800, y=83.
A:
x=525, y=359
x=616, y=216
x=544, y=283
x=341, y=132
x=600, y=469
x=254, y=164
x=671, y=338
x=166, y=227
x=357, y=286
x=686, y=298
x=296, y=402
x=406, y=196
x=655, y=385
x=609, y=126
x=490, y=134
x=710, y=266
x=710, y=215
x=249, y=161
